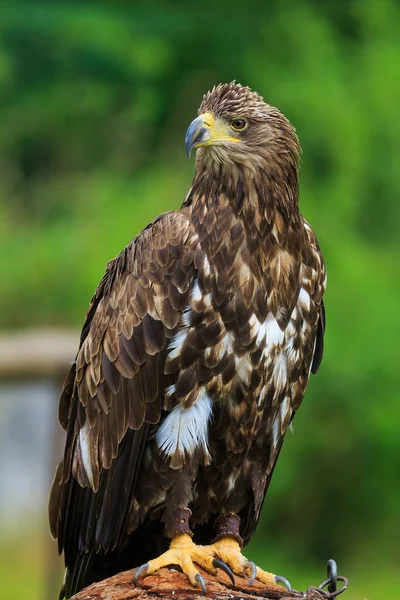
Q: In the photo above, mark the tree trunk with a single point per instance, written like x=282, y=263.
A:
x=168, y=583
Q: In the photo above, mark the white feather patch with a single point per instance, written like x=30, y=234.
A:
x=276, y=425
x=284, y=408
x=262, y=332
x=292, y=354
x=185, y=430
x=84, y=447
x=243, y=368
x=206, y=266
x=275, y=334
x=227, y=343
x=186, y=316
x=262, y=395
x=231, y=481
x=176, y=344
x=196, y=292
x=207, y=300
x=280, y=373
x=254, y=325
x=169, y=390
x=304, y=298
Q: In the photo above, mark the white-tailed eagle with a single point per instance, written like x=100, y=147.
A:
x=194, y=358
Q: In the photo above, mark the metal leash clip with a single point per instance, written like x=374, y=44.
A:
x=332, y=580
x=319, y=593
x=331, y=583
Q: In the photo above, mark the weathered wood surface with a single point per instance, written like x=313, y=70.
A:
x=168, y=583
x=37, y=353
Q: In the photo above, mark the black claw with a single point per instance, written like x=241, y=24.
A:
x=286, y=583
x=140, y=571
x=253, y=567
x=201, y=581
x=219, y=564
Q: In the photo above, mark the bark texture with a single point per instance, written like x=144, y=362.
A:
x=173, y=584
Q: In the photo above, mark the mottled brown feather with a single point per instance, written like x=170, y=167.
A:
x=238, y=274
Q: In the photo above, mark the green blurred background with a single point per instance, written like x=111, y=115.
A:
x=95, y=99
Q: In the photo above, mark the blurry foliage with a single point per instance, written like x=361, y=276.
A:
x=95, y=100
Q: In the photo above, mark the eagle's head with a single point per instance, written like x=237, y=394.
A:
x=236, y=127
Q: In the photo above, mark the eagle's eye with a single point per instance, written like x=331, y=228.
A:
x=238, y=124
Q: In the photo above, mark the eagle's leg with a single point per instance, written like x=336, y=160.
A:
x=184, y=553
x=227, y=546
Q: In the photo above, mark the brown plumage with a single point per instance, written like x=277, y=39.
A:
x=195, y=353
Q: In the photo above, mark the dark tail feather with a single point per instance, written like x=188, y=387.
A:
x=80, y=576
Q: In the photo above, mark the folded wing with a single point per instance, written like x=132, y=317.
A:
x=115, y=390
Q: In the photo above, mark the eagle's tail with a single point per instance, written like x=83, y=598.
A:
x=79, y=575
x=89, y=567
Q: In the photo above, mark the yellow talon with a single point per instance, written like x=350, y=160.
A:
x=228, y=550
x=183, y=552
x=224, y=554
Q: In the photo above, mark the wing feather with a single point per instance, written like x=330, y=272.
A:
x=319, y=343
x=115, y=389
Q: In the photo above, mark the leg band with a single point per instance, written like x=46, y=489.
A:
x=177, y=521
x=228, y=525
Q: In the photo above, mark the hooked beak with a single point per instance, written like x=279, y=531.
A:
x=206, y=130
x=199, y=132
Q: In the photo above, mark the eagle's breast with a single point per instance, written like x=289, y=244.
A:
x=245, y=344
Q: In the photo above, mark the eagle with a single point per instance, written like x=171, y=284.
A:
x=193, y=360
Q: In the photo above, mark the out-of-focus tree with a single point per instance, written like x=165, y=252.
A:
x=95, y=100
